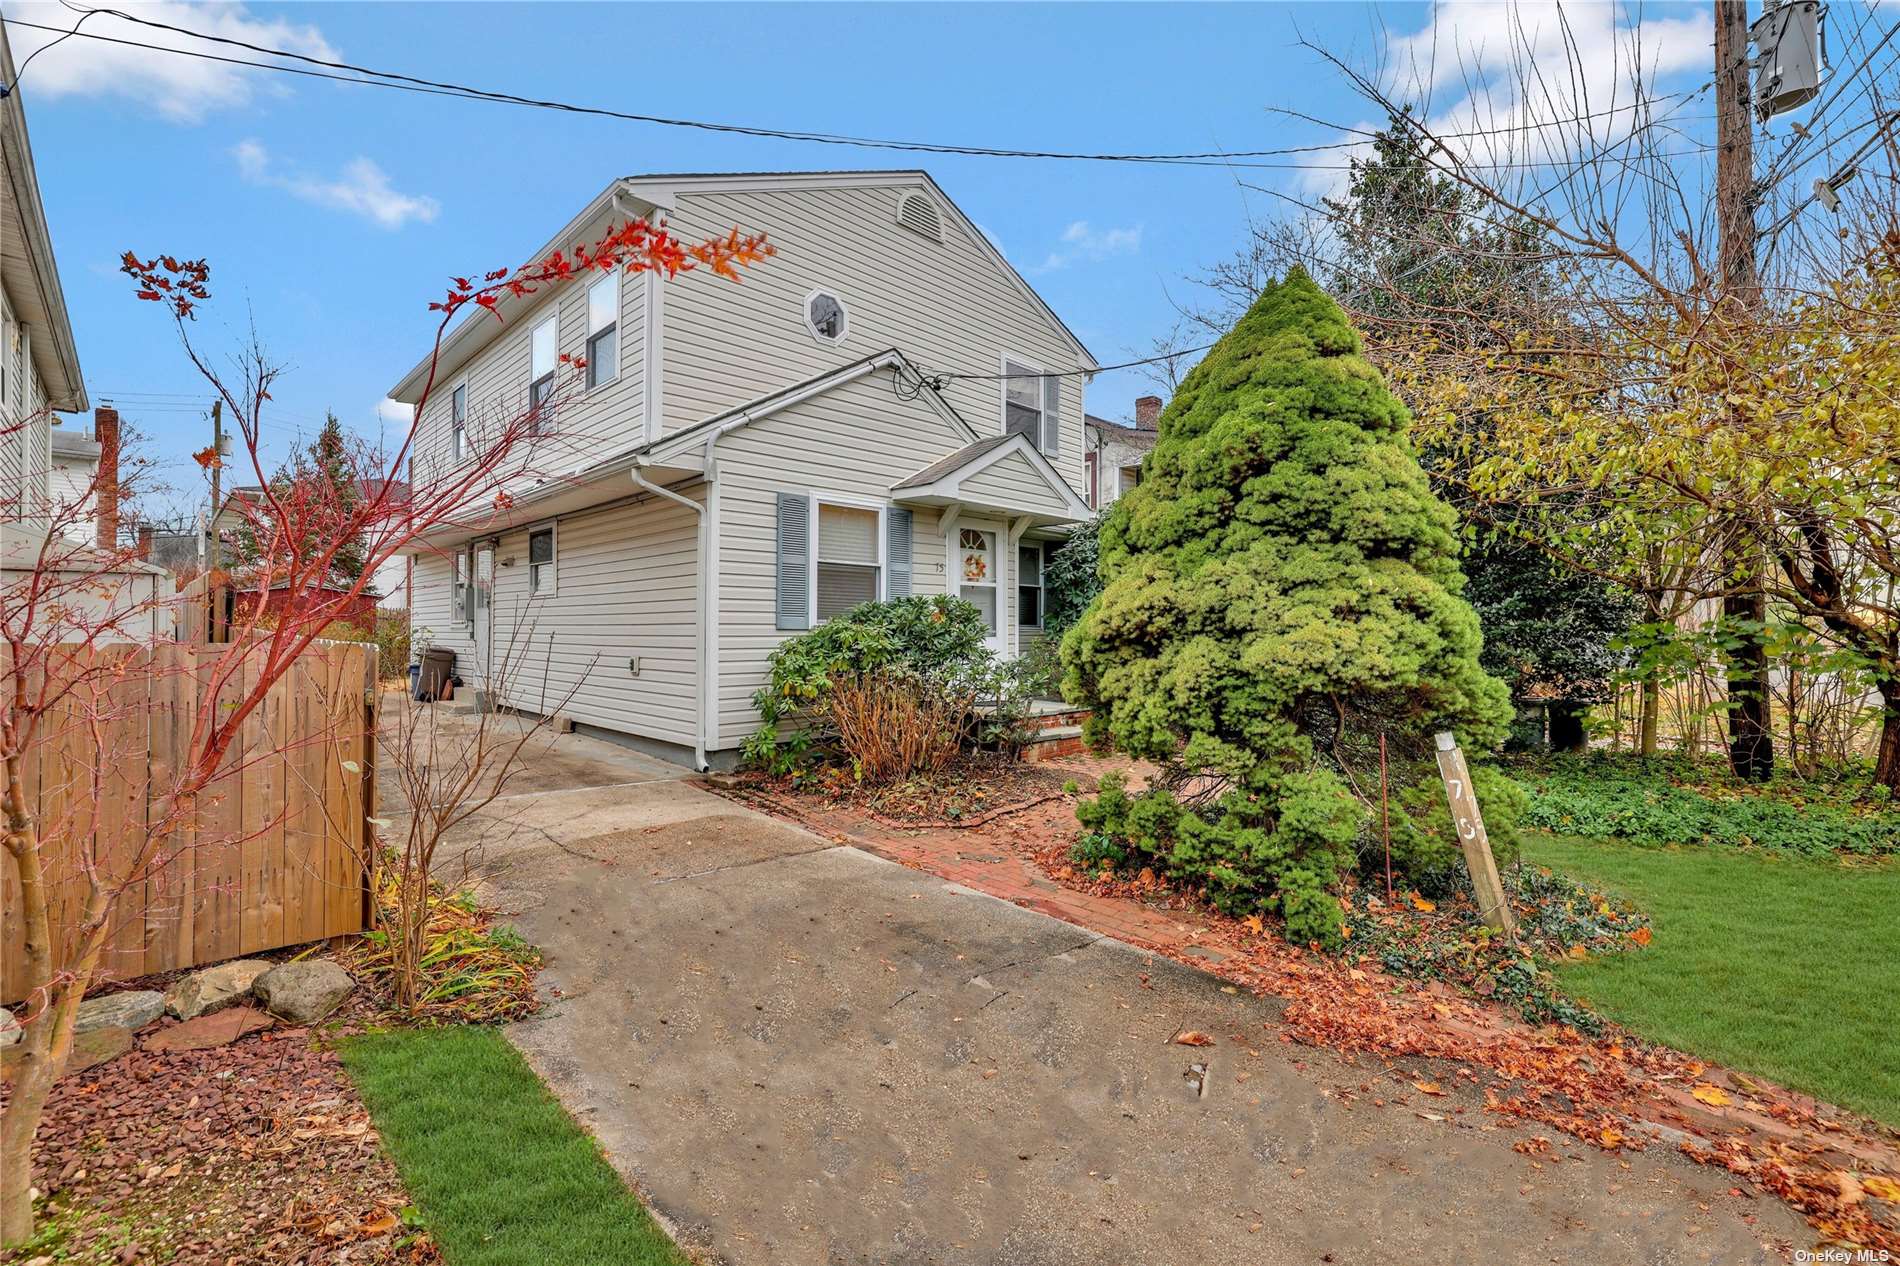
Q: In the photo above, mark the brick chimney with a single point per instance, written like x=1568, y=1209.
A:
x=105, y=430
x=147, y=533
x=1147, y=412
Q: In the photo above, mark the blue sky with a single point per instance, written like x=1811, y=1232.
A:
x=332, y=214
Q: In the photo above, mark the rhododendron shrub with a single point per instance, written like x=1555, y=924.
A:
x=1281, y=590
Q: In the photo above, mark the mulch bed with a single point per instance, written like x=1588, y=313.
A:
x=257, y=1152
x=1610, y=1090
x=978, y=788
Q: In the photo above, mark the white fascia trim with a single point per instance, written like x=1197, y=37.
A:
x=480, y=327
x=950, y=485
x=665, y=191
x=766, y=406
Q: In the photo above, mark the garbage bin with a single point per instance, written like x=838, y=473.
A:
x=438, y=665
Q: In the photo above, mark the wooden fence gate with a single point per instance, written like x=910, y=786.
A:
x=281, y=849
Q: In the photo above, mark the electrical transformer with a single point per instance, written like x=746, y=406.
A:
x=1791, y=55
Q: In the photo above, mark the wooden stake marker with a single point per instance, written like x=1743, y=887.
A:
x=1495, y=910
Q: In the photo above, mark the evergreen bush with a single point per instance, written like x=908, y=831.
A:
x=1280, y=590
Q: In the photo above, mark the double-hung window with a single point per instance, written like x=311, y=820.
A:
x=1029, y=586
x=603, y=330
x=850, y=559
x=541, y=561
x=458, y=422
x=541, y=354
x=1031, y=402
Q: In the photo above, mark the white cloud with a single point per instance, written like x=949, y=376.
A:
x=1511, y=70
x=1082, y=243
x=183, y=89
x=362, y=189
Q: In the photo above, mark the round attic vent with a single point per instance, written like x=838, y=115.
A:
x=919, y=214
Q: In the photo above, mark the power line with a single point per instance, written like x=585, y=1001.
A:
x=410, y=83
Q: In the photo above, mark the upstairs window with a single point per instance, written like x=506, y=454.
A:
x=603, y=330
x=458, y=422
x=541, y=561
x=540, y=373
x=825, y=317
x=850, y=559
x=1031, y=404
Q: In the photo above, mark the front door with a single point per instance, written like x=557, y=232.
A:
x=976, y=572
x=484, y=609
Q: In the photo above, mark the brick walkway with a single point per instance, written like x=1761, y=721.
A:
x=973, y=857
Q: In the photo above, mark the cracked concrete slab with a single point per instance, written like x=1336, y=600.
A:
x=804, y=1054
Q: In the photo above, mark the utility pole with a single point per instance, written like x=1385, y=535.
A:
x=1751, y=743
x=214, y=587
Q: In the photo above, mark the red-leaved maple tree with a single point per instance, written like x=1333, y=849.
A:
x=76, y=611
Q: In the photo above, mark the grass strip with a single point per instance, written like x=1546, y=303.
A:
x=500, y=1172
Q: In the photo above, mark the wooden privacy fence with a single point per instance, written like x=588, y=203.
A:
x=280, y=850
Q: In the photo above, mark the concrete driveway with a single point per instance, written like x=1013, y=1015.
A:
x=803, y=1053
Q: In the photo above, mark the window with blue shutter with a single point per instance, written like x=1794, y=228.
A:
x=794, y=561
x=897, y=552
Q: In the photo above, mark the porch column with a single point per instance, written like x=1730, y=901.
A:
x=1007, y=598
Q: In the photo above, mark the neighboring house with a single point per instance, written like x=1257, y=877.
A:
x=1115, y=451
x=40, y=377
x=754, y=457
x=39, y=363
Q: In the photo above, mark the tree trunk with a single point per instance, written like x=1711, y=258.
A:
x=1887, y=754
x=1646, y=724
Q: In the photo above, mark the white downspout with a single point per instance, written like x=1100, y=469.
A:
x=702, y=610
x=705, y=707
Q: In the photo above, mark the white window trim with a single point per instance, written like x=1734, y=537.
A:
x=844, y=310
x=1042, y=590
x=462, y=594
x=587, y=335
x=458, y=446
x=1002, y=404
x=553, y=528
x=553, y=318
x=848, y=502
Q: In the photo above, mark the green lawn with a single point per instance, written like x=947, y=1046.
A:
x=1776, y=965
x=501, y=1173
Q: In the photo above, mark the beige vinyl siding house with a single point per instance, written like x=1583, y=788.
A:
x=832, y=428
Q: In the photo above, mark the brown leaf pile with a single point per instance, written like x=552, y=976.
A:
x=258, y=1152
x=1613, y=1092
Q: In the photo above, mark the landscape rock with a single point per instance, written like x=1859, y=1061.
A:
x=214, y=988
x=220, y=1028
x=94, y=1046
x=133, y=1010
x=9, y=1028
x=304, y=992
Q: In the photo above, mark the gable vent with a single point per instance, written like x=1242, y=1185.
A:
x=920, y=215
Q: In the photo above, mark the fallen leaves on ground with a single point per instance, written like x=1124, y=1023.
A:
x=254, y=1154
x=1609, y=1090
x=1193, y=1037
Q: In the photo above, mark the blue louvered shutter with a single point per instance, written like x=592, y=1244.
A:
x=1051, y=416
x=897, y=552
x=794, y=561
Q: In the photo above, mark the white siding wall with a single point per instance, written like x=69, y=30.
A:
x=947, y=306
x=1013, y=482
x=626, y=579
x=26, y=442
x=855, y=441
x=606, y=420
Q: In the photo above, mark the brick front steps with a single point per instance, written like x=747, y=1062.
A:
x=1058, y=731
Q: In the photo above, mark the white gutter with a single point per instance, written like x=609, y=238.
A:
x=706, y=706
